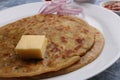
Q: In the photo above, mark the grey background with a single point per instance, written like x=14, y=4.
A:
x=112, y=73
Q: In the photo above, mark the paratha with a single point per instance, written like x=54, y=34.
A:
x=88, y=57
x=68, y=39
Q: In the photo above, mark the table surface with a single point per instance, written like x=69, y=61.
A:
x=112, y=73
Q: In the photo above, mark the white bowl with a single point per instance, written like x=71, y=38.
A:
x=102, y=4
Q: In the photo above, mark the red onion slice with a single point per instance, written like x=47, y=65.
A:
x=70, y=11
x=60, y=7
x=61, y=1
x=51, y=8
x=44, y=6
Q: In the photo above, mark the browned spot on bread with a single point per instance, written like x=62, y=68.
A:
x=63, y=39
x=79, y=40
x=78, y=47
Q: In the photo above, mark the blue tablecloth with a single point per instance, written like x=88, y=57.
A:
x=112, y=73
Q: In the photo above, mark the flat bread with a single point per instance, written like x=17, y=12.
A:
x=89, y=56
x=68, y=39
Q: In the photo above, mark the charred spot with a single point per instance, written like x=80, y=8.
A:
x=22, y=29
x=28, y=25
x=85, y=31
x=61, y=28
x=24, y=20
x=66, y=27
x=14, y=37
x=71, y=19
x=60, y=15
x=63, y=39
x=55, y=49
x=54, y=44
x=50, y=15
x=97, y=33
x=46, y=28
x=32, y=22
x=6, y=54
x=57, y=56
x=64, y=56
x=79, y=40
x=69, y=51
x=43, y=20
x=50, y=62
x=78, y=47
x=30, y=28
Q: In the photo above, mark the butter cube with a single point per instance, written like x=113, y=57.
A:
x=32, y=46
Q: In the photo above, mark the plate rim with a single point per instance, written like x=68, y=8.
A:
x=105, y=67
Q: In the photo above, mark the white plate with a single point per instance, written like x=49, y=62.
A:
x=106, y=21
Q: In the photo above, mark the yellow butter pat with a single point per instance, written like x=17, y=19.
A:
x=32, y=46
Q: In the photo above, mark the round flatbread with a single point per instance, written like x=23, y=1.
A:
x=87, y=58
x=68, y=39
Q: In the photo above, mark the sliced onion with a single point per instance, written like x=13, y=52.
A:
x=69, y=11
x=60, y=7
x=51, y=8
x=61, y=1
x=72, y=10
x=44, y=6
